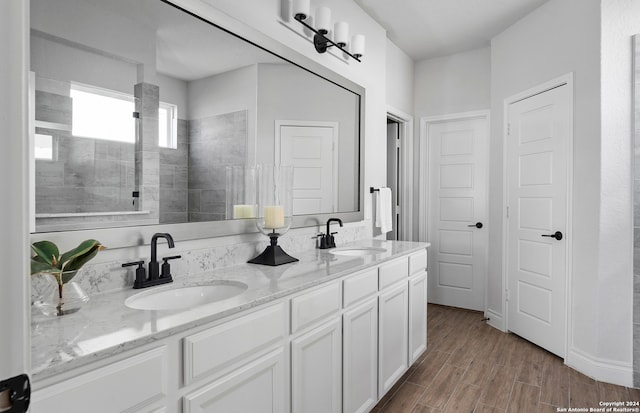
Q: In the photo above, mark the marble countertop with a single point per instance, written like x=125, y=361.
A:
x=106, y=327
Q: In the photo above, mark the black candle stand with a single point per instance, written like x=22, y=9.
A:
x=273, y=255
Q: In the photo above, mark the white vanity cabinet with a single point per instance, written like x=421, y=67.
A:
x=242, y=364
x=335, y=348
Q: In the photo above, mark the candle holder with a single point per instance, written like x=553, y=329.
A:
x=241, y=192
x=274, y=185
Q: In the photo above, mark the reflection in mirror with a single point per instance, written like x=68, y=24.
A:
x=141, y=109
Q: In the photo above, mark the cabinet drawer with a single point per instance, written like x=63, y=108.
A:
x=392, y=272
x=223, y=346
x=125, y=386
x=418, y=262
x=315, y=306
x=360, y=286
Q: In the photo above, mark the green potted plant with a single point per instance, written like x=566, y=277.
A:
x=47, y=259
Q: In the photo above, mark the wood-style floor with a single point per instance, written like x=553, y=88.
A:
x=472, y=367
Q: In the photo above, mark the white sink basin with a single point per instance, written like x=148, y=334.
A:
x=358, y=252
x=185, y=297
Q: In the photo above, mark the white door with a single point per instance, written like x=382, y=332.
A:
x=310, y=150
x=14, y=210
x=457, y=211
x=539, y=130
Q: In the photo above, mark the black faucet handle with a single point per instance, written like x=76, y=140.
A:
x=129, y=264
x=334, y=233
x=141, y=273
x=166, y=268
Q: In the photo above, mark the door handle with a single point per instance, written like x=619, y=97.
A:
x=477, y=225
x=557, y=235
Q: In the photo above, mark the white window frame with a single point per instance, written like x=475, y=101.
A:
x=171, y=140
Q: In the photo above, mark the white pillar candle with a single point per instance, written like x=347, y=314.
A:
x=301, y=8
x=357, y=45
x=273, y=217
x=244, y=211
x=341, y=33
x=323, y=19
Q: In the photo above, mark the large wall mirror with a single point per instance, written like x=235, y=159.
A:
x=142, y=110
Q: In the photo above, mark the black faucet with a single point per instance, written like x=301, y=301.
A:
x=154, y=266
x=155, y=276
x=326, y=239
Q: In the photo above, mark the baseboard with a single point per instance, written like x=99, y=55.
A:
x=609, y=371
x=495, y=320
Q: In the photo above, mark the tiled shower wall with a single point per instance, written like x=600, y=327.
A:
x=85, y=175
x=215, y=142
x=174, y=178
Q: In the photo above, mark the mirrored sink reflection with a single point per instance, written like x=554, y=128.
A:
x=358, y=252
x=189, y=296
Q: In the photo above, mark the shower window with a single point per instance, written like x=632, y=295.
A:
x=168, y=126
x=102, y=114
x=105, y=114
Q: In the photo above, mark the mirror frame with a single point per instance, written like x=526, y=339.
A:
x=130, y=236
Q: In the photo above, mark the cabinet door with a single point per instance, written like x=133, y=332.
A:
x=316, y=370
x=257, y=387
x=360, y=352
x=129, y=385
x=393, y=335
x=417, y=316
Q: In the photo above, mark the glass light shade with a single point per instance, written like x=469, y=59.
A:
x=341, y=33
x=274, y=199
x=241, y=192
x=357, y=45
x=301, y=8
x=323, y=19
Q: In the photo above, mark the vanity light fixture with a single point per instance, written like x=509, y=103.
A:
x=322, y=21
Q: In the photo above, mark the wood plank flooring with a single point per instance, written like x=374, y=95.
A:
x=472, y=367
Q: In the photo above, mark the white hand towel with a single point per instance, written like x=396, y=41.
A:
x=384, y=219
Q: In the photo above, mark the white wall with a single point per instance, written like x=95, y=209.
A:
x=452, y=84
x=536, y=49
x=446, y=85
x=399, y=68
x=620, y=21
x=14, y=236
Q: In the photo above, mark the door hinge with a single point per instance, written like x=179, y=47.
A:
x=507, y=211
x=507, y=297
x=508, y=128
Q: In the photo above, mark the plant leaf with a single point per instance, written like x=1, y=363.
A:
x=76, y=263
x=71, y=260
x=67, y=276
x=47, y=251
x=38, y=267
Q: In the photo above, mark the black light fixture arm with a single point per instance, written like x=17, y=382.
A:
x=321, y=42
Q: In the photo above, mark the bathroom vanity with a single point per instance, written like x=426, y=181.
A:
x=331, y=333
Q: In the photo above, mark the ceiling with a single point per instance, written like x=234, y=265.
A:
x=425, y=29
